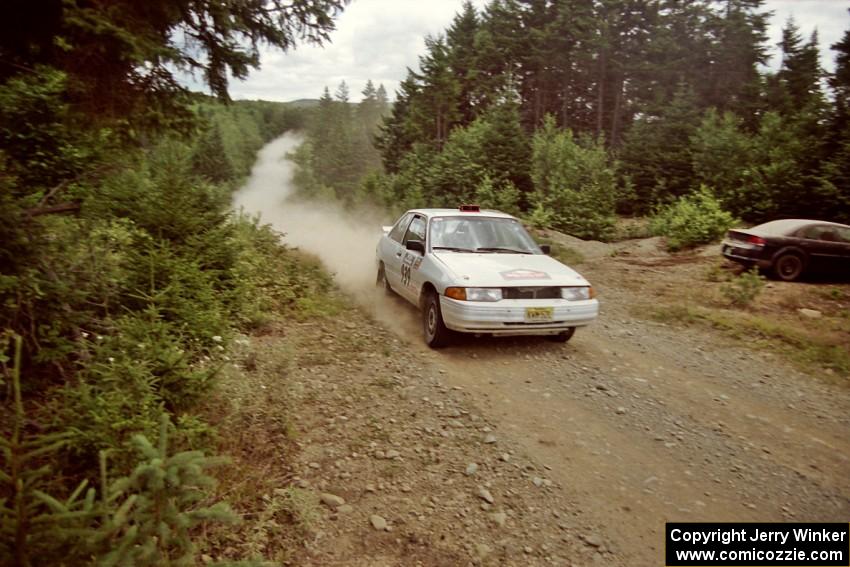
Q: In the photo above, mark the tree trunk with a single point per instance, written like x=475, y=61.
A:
x=600, y=95
x=615, y=114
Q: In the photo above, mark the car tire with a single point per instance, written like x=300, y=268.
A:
x=562, y=337
x=788, y=266
x=437, y=335
x=381, y=280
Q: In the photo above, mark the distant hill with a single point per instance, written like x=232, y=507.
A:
x=304, y=102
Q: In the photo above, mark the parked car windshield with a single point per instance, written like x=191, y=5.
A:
x=481, y=234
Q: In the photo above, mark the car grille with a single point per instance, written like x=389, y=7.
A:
x=546, y=292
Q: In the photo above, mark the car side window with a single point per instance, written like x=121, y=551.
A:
x=809, y=232
x=844, y=235
x=817, y=232
x=399, y=228
x=824, y=233
x=416, y=231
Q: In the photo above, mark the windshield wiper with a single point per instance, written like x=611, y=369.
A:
x=452, y=248
x=496, y=249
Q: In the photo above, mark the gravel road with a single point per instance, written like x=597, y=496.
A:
x=583, y=450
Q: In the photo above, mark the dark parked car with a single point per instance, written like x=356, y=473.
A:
x=791, y=247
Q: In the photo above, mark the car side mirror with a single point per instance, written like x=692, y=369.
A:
x=416, y=245
x=545, y=248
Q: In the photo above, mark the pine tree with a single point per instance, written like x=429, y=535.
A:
x=460, y=42
x=148, y=516
x=840, y=84
x=368, y=110
x=797, y=84
x=496, y=51
x=506, y=146
x=398, y=133
x=209, y=159
x=369, y=115
x=435, y=109
x=574, y=186
x=837, y=166
x=656, y=153
x=739, y=30
x=382, y=101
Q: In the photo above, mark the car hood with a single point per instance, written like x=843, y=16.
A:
x=508, y=270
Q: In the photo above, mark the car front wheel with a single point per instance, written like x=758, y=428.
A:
x=788, y=267
x=436, y=333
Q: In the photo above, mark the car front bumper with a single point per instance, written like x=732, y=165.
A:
x=508, y=316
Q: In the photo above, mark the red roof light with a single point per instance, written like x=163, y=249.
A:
x=470, y=209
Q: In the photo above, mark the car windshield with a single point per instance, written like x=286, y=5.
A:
x=481, y=234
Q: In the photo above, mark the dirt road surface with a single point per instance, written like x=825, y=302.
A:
x=525, y=452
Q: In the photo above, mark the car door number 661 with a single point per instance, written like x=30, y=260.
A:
x=405, y=274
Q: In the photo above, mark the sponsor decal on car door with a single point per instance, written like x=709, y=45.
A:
x=411, y=260
x=394, y=251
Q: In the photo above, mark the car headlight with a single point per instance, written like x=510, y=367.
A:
x=578, y=293
x=475, y=293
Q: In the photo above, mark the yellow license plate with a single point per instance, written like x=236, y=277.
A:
x=539, y=313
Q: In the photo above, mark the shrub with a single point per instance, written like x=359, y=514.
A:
x=575, y=187
x=272, y=278
x=691, y=220
x=743, y=290
x=141, y=519
x=504, y=198
x=148, y=515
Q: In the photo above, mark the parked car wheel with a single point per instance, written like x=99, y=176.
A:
x=437, y=335
x=789, y=266
x=562, y=337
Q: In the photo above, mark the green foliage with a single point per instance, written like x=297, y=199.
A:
x=564, y=254
x=30, y=519
x=339, y=151
x=148, y=515
x=504, y=198
x=209, y=158
x=272, y=278
x=691, y=220
x=137, y=47
x=141, y=519
x=574, y=186
x=721, y=154
x=672, y=95
x=37, y=130
x=742, y=290
x=657, y=155
x=126, y=307
x=676, y=90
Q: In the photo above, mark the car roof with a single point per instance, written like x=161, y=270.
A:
x=786, y=226
x=458, y=213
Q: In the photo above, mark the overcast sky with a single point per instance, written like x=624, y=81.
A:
x=379, y=39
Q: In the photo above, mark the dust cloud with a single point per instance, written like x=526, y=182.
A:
x=343, y=240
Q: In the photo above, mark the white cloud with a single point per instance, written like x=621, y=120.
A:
x=829, y=17
x=374, y=39
x=379, y=39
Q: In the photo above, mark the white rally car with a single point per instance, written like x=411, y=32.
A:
x=479, y=271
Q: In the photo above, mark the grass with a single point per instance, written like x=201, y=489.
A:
x=628, y=228
x=307, y=308
x=254, y=410
x=809, y=349
x=302, y=506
